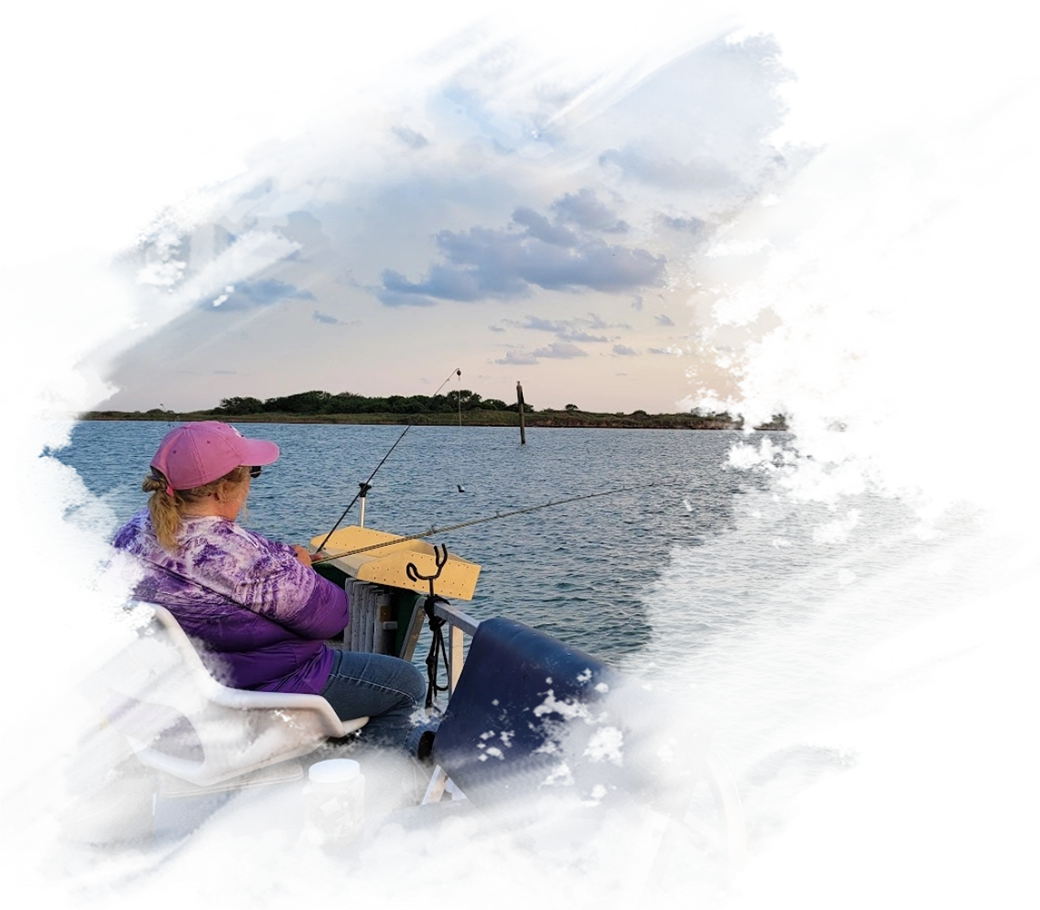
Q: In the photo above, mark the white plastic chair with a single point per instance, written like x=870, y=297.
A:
x=180, y=720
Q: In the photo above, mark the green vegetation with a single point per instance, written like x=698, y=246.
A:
x=438, y=410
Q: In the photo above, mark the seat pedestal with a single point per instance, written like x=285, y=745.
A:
x=191, y=822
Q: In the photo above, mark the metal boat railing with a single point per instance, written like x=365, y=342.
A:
x=725, y=847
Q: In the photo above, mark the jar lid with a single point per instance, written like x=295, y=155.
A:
x=334, y=771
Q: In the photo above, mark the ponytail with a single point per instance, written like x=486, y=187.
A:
x=166, y=509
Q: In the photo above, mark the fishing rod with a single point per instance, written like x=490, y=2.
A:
x=364, y=487
x=487, y=518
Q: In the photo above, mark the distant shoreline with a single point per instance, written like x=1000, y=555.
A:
x=473, y=418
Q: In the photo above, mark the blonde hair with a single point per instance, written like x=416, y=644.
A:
x=166, y=510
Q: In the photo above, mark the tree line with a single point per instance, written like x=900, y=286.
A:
x=318, y=402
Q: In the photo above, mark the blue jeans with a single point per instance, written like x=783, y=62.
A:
x=386, y=689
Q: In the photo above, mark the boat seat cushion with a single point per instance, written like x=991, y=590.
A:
x=565, y=756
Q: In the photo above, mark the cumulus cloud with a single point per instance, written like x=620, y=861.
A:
x=159, y=230
x=857, y=166
x=520, y=358
x=326, y=319
x=680, y=221
x=778, y=200
x=784, y=244
x=662, y=319
x=491, y=44
x=890, y=125
x=586, y=211
x=671, y=157
x=624, y=350
x=54, y=319
x=577, y=329
x=250, y=295
x=560, y=351
x=748, y=52
x=257, y=241
x=150, y=296
x=562, y=254
x=405, y=137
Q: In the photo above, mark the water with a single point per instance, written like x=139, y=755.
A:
x=754, y=588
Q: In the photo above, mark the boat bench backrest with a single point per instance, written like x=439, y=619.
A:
x=565, y=756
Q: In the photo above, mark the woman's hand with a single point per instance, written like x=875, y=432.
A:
x=302, y=555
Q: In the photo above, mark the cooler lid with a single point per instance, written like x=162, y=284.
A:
x=18, y=733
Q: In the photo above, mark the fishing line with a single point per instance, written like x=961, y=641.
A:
x=495, y=517
x=364, y=487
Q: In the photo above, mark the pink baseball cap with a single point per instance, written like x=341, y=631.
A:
x=198, y=453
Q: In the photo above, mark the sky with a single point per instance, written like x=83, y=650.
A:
x=621, y=205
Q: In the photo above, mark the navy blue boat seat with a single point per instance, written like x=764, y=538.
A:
x=576, y=777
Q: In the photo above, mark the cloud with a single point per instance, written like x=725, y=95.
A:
x=485, y=263
x=749, y=52
x=669, y=157
x=661, y=319
x=53, y=319
x=565, y=329
x=493, y=45
x=857, y=166
x=250, y=295
x=150, y=296
x=784, y=244
x=326, y=319
x=637, y=302
x=560, y=351
x=624, y=350
x=160, y=231
x=900, y=313
x=257, y=241
x=586, y=211
x=778, y=200
x=681, y=222
x=540, y=228
x=405, y=137
x=890, y=125
x=520, y=358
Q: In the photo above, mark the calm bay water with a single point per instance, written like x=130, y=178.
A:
x=754, y=586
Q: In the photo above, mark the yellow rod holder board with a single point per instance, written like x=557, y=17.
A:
x=386, y=565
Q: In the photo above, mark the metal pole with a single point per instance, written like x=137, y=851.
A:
x=363, y=495
x=520, y=409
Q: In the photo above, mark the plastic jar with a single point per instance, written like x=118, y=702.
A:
x=334, y=803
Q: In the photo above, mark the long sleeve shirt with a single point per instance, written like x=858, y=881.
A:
x=256, y=616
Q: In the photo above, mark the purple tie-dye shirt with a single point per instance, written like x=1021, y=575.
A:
x=261, y=616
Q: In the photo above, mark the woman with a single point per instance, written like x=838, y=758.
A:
x=260, y=611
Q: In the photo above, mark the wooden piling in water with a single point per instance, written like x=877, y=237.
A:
x=520, y=411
